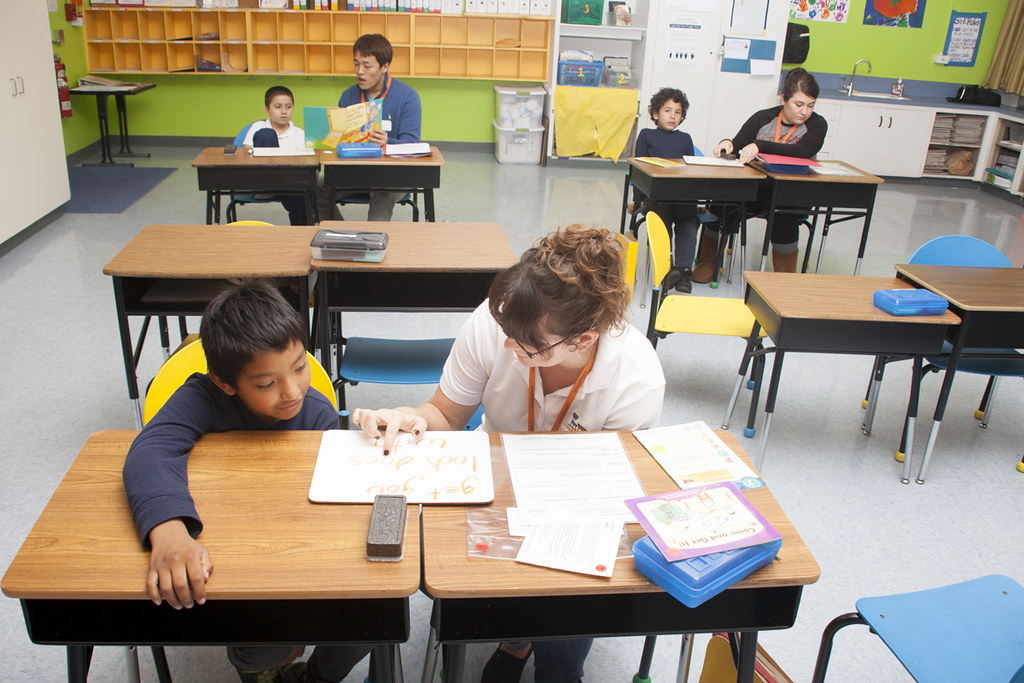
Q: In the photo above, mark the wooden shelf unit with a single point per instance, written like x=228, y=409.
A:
x=315, y=43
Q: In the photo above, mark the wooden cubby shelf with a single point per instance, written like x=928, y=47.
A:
x=248, y=41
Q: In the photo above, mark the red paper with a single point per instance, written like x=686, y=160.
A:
x=791, y=161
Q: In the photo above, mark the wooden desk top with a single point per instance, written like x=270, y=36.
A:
x=266, y=539
x=214, y=157
x=862, y=177
x=971, y=289
x=215, y=251
x=833, y=297
x=328, y=158
x=430, y=247
x=449, y=572
x=685, y=171
x=124, y=88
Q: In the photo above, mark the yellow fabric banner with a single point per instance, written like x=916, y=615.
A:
x=593, y=120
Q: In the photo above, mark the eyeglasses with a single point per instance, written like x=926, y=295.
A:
x=546, y=349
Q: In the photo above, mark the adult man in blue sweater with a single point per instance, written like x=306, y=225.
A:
x=401, y=116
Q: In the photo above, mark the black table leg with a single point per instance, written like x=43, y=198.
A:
x=428, y=204
x=106, y=157
x=122, y=127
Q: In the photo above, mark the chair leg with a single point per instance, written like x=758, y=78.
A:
x=163, y=672
x=985, y=408
x=643, y=673
x=825, y=649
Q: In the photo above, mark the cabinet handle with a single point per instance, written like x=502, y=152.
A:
x=21, y=86
x=14, y=88
x=880, y=117
x=890, y=123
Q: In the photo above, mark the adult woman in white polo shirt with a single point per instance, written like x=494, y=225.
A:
x=550, y=350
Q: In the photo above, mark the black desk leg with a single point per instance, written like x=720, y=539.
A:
x=747, y=657
x=79, y=657
x=106, y=158
x=122, y=127
x=907, y=440
x=428, y=204
x=126, y=349
x=947, y=383
x=748, y=353
x=163, y=672
x=625, y=201
x=769, y=405
x=454, y=661
x=864, y=235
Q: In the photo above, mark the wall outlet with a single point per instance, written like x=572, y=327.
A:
x=942, y=59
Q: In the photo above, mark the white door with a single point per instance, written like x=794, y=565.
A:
x=33, y=167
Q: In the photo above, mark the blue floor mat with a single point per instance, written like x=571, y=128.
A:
x=110, y=189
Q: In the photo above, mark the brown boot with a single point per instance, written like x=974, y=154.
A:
x=784, y=263
x=706, y=258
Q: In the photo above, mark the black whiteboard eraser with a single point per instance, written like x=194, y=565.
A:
x=386, y=536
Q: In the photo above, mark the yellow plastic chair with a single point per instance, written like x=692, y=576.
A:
x=249, y=223
x=190, y=358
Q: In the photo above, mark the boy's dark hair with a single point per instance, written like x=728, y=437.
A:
x=664, y=95
x=799, y=80
x=374, y=44
x=274, y=91
x=246, y=320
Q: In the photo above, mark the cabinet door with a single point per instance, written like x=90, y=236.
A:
x=33, y=168
x=888, y=141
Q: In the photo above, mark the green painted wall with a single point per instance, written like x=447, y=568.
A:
x=906, y=52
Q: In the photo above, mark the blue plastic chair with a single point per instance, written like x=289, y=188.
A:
x=969, y=631
x=951, y=250
x=242, y=198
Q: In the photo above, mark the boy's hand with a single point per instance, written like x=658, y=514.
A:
x=179, y=566
x=379, y=135
x=393, y=421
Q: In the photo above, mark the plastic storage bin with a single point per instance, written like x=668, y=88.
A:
x=579, y=73
x=909, y=302
x=517, y=145
x=698, y=579
x=520, y=106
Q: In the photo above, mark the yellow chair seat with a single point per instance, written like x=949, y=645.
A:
x=705, y=315
x=190, y=358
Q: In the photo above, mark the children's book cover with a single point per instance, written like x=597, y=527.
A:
x=701, y=521
x=346, y=124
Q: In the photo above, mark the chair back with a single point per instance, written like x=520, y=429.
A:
x=249, y=223
x=240, y=138
x=190, y=358
x=659, y=246
x=959, y=250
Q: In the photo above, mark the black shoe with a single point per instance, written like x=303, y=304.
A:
x=685, y=284
x=503, y=667
x=672, y=278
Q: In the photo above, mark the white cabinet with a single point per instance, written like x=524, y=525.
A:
x=33, y=168
x=879, y=139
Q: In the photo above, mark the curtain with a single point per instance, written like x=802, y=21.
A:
x=1007, y=70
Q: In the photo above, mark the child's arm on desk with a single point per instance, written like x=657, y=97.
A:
x=179, y=566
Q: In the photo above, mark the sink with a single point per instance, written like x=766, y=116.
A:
x=877, y=95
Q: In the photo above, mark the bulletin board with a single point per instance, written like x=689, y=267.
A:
x=437, y=467
x=963, y=37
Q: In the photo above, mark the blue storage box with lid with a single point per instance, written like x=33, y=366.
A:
x=910, y=302
x=698, y=579
x=359, y=150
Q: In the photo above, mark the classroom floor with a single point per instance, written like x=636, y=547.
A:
x=870, y=534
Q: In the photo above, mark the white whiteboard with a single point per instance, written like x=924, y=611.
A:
x=438, y=467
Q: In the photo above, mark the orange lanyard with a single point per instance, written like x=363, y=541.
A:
x=383, y=93
x=569, y=399
x=778, y=129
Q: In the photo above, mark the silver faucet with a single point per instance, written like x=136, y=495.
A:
x=849, y=90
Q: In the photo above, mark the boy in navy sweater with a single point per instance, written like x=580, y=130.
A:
x=668, y=109
x=258, y=378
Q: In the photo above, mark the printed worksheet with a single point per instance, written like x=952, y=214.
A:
x=692, y=454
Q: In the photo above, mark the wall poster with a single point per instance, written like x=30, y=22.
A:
x=902, y=13
x=833, y=11
x=963, y=37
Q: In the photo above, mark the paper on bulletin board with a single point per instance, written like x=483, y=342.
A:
x=438, y=467
x=685, y=24
x=593, y=121
x=749, y=17
x=963, y=36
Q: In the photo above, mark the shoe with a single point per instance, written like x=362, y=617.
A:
x=706, y=260
x=685, y=286
x=784, y=263
x=503, y=667
x=294, y=673
x=266, y=676
x=672, y=278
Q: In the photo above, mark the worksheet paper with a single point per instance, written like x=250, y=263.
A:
x=549, y=470
x=712, y=161
x=584, y=548
x=692, y=454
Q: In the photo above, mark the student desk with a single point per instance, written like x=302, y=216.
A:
x=221, y=175
x=990, y=303
x=285, y=570
x=428, y=267
x=839, y=197
x=119, y=92
x=386, y=174
x=478, y=599
x=689, y=184
x=828, y=314
x=175, y=270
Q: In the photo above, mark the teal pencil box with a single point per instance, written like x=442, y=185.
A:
x=698, y=579
x=359, y=150
x=909, y=302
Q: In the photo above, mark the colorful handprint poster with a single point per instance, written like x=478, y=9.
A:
x=834, y=11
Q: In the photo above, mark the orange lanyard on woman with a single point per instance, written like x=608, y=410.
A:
x=569, y=399
x=383, y=93
x=778, y=129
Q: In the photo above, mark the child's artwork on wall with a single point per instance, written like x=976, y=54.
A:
x=833, y=11
x=904, y=13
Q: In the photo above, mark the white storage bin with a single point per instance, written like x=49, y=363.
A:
x=517, y=145
x=520, y=106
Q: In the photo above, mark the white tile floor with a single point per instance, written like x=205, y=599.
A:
x=870, y=534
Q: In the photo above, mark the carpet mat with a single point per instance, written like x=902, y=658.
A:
x=110, y=189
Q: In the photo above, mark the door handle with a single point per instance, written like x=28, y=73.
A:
x=14, y=88
x=21, y=86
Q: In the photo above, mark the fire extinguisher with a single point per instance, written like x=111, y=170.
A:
x=63, y=91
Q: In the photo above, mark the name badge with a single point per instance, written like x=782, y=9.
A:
x=385, y=125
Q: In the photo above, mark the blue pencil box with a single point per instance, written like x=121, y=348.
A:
x=359, y=150
x=910, y=302
x=698, y=579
